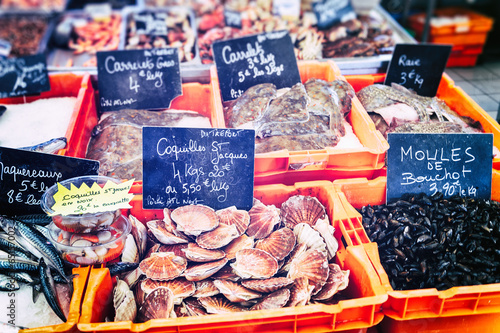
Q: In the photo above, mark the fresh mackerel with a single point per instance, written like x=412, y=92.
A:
x=49, y=289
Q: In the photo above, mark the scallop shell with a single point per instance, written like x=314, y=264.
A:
x=180, y=287
x=267, y=285
x=262, y=220
x=161, y=233
x=132, y=277
x=140, y=234
x=235, y=292
x=177, y=249
x=231, y=215
x=200, y=272
x=196, y=253
x=124, y=302
x=300, y=292
x=240, y=243
x=130, y=252
x=255, y=264
x=312, y=264
x=279, y=243
x=336, y=278
x=306, y=234
x=120, y=292
x=157, y=305
x=205, y=288
x=163, y=266
x=275, y=300
x=296, y=252
x=194, y=308
x=226, y=273
x=195, y=219
x=301, y=209
x=217, y=238
x=326, y=231
x=219, y=305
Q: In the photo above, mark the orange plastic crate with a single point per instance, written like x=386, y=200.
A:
x=84, y=116
x=79, y=285
x=475, y=31
x=459, y=305
x=460, y=102
x=360, y=311
x=341, y=162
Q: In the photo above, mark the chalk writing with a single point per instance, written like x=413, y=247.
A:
x=23, y=76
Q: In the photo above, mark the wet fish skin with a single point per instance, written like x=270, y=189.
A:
x=121, y=267
x=7, y=283
x=48, y=147
x=18, y=265
x=21, y=277
x=40, y=219
x=49, y=290
x=8, y=246
x=34, y=241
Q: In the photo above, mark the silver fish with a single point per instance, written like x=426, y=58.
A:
x=20, y=277
x=17, y=265
x=49, y=290
x=49, y=147
x=40, y=219
x=8, y=283
x=33, y=241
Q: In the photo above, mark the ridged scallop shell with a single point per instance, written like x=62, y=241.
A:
x=267, y=285
x=194, y=252
x=205, y=288
x=194, y=308
x=194, y=219
x=177, y=249
x=300, y=292
x=163, y=266
x=306, y=234
x=217, y=238
x=226, y=273
x=120, y=292
x=262, y=220
x=240, y=243
x=200, y=272
x=255, y=264
x=312, y=264
x=161, y=233
x=127, y=310
x=219, y=305
x=231, y=215
x=296, y=252
x=235, y=292
x=301, y=209
x=336, y=279
x=275, y=300
x=132, y=277
x=157, y=305
x=130, y=252
x=279, y=243
x=140, y=234
x=180, y=287
x=326, y=231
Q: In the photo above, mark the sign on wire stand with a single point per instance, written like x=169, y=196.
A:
x=208, y=166
x=26, y=175
x=453, y=164
x=23, y=76
x=245, y=62
x=232, y=18
x=331, y=12
x=418, y=67
x=138, y=79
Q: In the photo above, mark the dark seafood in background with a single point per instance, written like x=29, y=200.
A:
x=397, y=109
x=34, y=4
x=23, y=32
x=286, y=263
x=32, y=262
x=304, y=117
x=124, y=160
x=359, y=37
x=432, y=242
x=160, y=29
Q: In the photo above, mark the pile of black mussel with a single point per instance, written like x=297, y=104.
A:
x=435, y=242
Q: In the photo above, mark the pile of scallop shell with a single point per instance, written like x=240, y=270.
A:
x=199, y=261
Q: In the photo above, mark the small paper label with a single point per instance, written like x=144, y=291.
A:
x=94, y=199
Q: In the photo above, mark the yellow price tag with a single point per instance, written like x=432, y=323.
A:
x=94, y=199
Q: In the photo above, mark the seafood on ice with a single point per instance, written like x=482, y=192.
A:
x=279, y=265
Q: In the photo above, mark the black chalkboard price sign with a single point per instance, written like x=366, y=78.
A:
x=26, y=175
x=453, y=164
x=232, y=18
x=23, y=76
x=138, y=79
x=244, y=62
x=330, y=12
x=182, y=166
x=418, y=67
